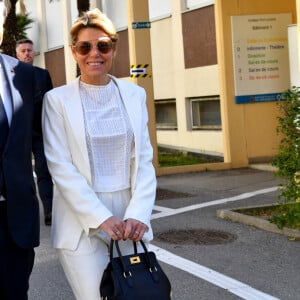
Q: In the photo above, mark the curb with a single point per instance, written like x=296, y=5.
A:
x=263, y=167
x=256, y=222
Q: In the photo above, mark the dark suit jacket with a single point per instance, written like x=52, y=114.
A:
x=43, y=79
x=22, y=203
x=44, y=84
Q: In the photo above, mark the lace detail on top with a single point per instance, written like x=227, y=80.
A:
x=109, y=136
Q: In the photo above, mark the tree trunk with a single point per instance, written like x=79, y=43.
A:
x=82, y=6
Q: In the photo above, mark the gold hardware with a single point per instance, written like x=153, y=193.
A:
x=135, y=260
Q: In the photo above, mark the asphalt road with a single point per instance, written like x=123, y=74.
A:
x=204, y=256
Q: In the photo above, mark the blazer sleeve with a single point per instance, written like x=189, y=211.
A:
x=73, y=187
x=143, y=178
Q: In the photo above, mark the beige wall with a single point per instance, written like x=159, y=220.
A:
x=172, y=80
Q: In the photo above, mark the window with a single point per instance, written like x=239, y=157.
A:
x=116, y=10
x=159, y=9
x=199, y=37
x=205, y=113
x=165, y=112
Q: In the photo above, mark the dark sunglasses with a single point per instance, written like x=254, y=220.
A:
x=104, y=45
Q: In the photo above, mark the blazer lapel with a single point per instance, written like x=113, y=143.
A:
x=74, y=114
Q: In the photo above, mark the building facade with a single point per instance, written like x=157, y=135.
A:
x=189, y=65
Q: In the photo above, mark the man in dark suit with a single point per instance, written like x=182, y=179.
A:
x=19, y=207
x=26, y=53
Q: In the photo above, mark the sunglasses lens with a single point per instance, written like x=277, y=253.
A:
x=104, y=46
x=83, y=48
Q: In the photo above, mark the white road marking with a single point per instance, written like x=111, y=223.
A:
x=243, y=196
x=233, y=286
x=162, y=208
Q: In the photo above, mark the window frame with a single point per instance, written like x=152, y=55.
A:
x=166, y=125
x=191, y=117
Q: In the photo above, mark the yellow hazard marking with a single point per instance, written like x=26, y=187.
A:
x=139, y=66
x=140, y=75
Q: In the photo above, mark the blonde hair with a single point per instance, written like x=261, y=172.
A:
x=93, y=19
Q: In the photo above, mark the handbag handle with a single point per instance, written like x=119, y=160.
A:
x=125, y=271
x=112, y=242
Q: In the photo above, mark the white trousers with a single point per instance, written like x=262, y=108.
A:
x=84, y=266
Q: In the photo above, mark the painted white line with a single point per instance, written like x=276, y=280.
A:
x=162, y=208
x=233, y=286
x=211, y=203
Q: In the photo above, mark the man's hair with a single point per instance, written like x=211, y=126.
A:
x=24, y=41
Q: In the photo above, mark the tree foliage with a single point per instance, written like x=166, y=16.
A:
x=287, y=160
x=10, y=31
x=15, y=27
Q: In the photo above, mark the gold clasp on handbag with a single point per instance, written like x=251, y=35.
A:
x=135, y=260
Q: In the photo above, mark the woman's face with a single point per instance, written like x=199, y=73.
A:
x=95, y=64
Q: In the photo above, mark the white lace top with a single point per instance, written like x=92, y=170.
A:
x=109, y=136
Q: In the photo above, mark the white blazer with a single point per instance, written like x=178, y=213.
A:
x=76, y=208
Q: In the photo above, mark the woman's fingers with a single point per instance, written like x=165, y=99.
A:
x=134, y=230
x=114, y=227
x=138, y=235
x=118, y=229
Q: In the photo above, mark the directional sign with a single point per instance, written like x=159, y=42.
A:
x=141, y=25
x=138, y=71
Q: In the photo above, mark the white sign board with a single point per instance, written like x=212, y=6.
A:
x=260, y=55
x=294, y=55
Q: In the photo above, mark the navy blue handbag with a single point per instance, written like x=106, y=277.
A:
x=134, y=277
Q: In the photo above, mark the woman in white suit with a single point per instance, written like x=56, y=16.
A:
x=100, y=158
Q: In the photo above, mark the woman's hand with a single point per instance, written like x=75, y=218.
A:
x=134, y=230
x=114, y=227
x=118, y=229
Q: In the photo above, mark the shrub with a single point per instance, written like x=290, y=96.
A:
x=287, y=160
